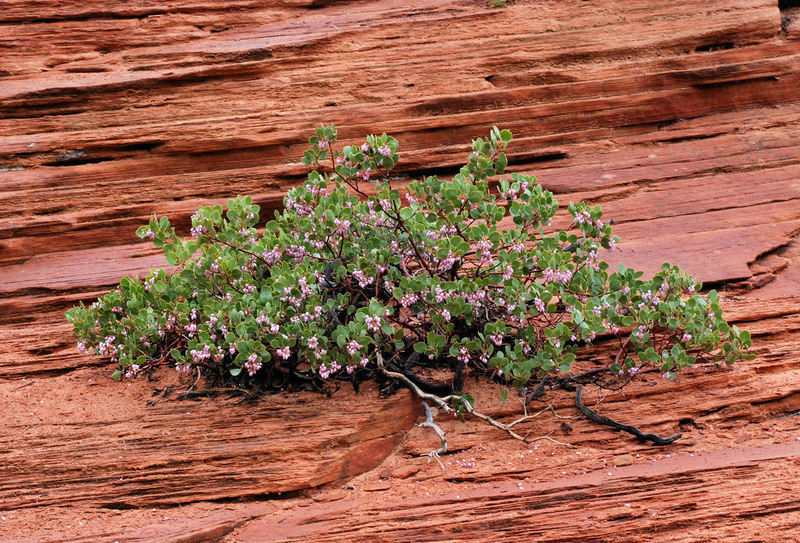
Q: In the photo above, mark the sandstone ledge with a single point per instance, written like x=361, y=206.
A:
x=681, y=120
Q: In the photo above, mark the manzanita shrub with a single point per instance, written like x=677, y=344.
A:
x=444, y=272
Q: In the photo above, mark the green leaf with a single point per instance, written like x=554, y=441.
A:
x=501, y=163
x=503, y=395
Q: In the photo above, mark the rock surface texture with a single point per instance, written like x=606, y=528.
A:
x=681, y=118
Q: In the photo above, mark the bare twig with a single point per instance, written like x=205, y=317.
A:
x=29, y=383
x=548, y=408
x=548, y=438
x=507, y=427
x=535, y=393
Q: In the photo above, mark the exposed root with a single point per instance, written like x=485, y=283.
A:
x=468, y=407
x=440, y=401
x=439, y=432
x=600, y=419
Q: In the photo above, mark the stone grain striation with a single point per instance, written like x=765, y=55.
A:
x=681, y=119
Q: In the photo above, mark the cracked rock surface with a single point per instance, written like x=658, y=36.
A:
x=682, y=119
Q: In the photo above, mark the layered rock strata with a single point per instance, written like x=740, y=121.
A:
x=682, y=120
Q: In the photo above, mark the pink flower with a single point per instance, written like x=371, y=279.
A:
x=272, y=256
x=373, y=323
x=252, y=365
x=583, y=217
x=353, y=347
x=408, y=299
x=363, y=280
x=341, y=226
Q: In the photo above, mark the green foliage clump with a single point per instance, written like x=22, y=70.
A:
x=445, y=272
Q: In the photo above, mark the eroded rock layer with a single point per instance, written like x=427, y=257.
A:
x=681, y=119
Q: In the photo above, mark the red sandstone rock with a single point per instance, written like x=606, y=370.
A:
x=143, y=450
x=681, y=119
